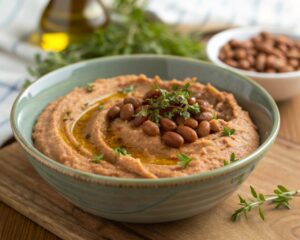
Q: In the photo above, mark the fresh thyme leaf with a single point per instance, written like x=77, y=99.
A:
x=233, y=158
x=261, y=213
x=143, y=112
x=175, y=87
x=253, y=192
x=121, y=151
x=170, y=104
x=281, y=198
x=282, y=188
x=136, y=33
x=89, y=87
x=127, y=89
x=186, y=87
x=100, y=107
x=97, y=158
x=228, y=132
x=184, y=160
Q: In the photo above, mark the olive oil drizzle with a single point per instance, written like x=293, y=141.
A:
x=81, y=123
x=111, y=139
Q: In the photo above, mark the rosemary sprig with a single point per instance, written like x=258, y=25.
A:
x=280, y=198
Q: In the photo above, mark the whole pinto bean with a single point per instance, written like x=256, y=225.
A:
x=191, y=122
x=136, y=102
x=173, y=139
x=150, y=128
x=203, y=129
x=192, y=100
x=127, y=111
x=204, y=116
x=215, y=125
x=274, y=62
x=244, y=64
x=261, y=62
x=286, y=68
x=113, y=113
x=137, y=121
x=188, y=134
x=179, y=120
x=240, y=53
x=153, y=93
x=231, y=62
x=167, y=124
x=265, y=48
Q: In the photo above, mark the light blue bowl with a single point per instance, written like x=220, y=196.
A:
x=143, y=200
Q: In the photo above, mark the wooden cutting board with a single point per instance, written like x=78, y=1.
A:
x=23, y=189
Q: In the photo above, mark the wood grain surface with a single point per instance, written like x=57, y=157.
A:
x=32, y=197
x=29, y=195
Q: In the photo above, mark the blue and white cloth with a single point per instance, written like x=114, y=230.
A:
x=18, y=18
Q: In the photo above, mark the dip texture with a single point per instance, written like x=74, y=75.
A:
x=91, y=129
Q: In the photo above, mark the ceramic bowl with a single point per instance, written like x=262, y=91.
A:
x=281, y=86
x=143, y=200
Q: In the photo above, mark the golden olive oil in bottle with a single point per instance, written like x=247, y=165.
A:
x=69, y=21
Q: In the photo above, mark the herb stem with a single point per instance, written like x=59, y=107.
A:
x=280, y=198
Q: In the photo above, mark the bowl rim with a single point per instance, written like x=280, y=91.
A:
x=252, y=30
x=117, y=181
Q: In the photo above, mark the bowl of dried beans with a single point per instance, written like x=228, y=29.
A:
x=271, y=57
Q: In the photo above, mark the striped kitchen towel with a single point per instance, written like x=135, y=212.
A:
x=18, y=18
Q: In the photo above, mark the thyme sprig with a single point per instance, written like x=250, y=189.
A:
x=280, y=199
x=170, y=104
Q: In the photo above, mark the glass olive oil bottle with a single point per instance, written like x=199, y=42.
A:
x=69, y=21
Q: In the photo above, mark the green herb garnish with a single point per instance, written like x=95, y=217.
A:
x=170, y=104
x=100, y=107
x=228, y=132
x=89, y=87
x=97, y=158
x=225, y=162
x=183, y=160
x=121, y=151
x=136, y=33
x=233, y=157
x=214, y=116
x=127, y=90
x=280, y=198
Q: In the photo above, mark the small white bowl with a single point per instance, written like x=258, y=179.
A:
x=281, y=86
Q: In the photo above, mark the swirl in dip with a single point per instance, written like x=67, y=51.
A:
x=136, y=127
